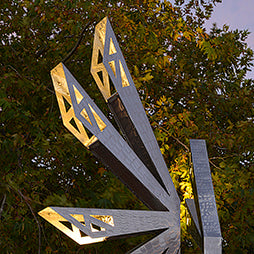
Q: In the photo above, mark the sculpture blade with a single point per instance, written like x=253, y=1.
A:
x=193, y=226
x=132, y=115
x=94, y=225
x=205, y=198
x=166, y=242
x=108, y=144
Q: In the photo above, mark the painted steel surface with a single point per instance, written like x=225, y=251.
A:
x=113, y=66
x=135, y=158
x=205, y=199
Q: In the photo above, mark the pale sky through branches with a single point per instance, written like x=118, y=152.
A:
x=237, y=14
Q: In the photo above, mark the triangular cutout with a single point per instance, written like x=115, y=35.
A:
x=89, y=134
x=165, y=251
x=95, y=228
x=100, y=123
x=125, y=81
x=67, y=224
x=104, y=218
x=78, y=95
x=100, y=74
x=79, y=218
x=66, y=104
x=82, y=234
x=100, y=57
x=85, y=115
x=111, y=85
x=112, y=48
x=112, y=66
x=73, y=123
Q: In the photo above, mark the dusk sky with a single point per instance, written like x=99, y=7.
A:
x=238, y=14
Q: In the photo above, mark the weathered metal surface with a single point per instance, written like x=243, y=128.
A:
x=130, y=133
x=166, y=242
x=205, y=199
x=114, y=65
x=193, y=226
x=95, y=225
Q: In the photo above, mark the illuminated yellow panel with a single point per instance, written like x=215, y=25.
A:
x=62, y=92
x=100, y=28
x=95, y=228
x=112, y=48
x=79, y=217
x=55, y=219
x=113, y=67
x=100, y=123
x=98, y=46
x=105, y=218
x=125, y=81
x=85, y=115
x=78, y=95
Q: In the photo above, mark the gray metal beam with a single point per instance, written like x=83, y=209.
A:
x=89, y=115
x=130, y=133
x=115, y=66
x=194, y=227
x=107, y=223
x=205, y=198
x=166, y=242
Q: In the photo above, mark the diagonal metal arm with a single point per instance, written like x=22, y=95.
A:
x=167, y=242
x=107, y=143
x=205, y=199
x=130, y=116
x=86, y=225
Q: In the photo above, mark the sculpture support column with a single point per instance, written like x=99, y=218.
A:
x=205, y=199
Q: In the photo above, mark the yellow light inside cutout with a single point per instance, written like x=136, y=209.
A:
x=55, y=219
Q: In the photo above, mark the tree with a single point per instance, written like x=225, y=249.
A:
x=192, y=84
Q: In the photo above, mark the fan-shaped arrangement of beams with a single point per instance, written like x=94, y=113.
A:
x=134, y=157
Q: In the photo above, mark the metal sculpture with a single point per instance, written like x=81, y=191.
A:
x=135, y=158
x=205, y=210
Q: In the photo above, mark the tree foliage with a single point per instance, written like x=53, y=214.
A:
x=192, y=83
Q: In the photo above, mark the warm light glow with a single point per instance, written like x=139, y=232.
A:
x=55, y=219
x=112, y=49
x=100, y=123
x=113, y=67
x=104, y=36
x=105, y=218
x=62, y=92
x=125, y=81
x=79, y=97
x=96, y=66
x=101, y=29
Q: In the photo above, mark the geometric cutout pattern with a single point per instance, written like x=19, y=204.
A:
x=112, y=49
x=125, y=81
x=67, y=227
x=79, y=97
x=99, y=121
x=87, y=113
x=86, y=225
x=105, y=218
x=115, y=67
x=70, y=121
x=151, y=182
x=96, y=64
x=79, y=112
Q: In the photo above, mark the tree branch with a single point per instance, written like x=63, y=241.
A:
x=2, y=205
x=77, y=43
x=176, y=139
x=31, y=209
